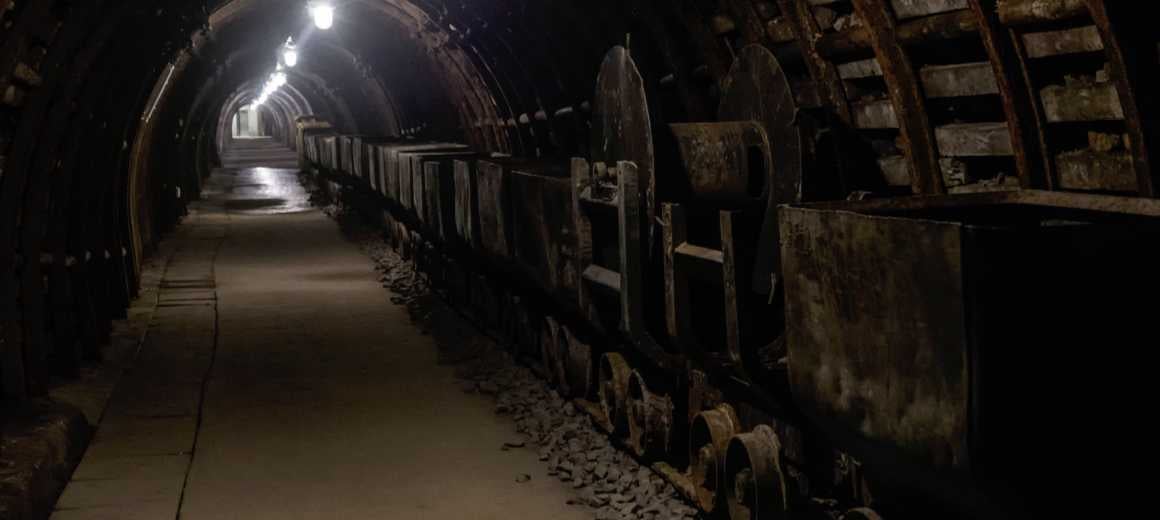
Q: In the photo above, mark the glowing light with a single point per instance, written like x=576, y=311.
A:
x=289, y=54
x=323, y=15
x=278, y=79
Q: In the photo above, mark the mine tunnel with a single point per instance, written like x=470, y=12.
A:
x=576, y=259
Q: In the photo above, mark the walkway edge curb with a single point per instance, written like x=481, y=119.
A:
x=43, y=441
x=40, y=445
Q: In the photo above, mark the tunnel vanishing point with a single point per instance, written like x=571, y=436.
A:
x=798, y=258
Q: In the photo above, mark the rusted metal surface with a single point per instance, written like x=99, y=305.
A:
x=345, y=162
x=677, y=318
x=757, y=89
x=909, y=104
x=1020, y=107
x=375, y=167
x=780, y=30
x=466, y=206
x=899, y=264
x=433, y=197
x=363, y=162
x=585, y=254
x=1130, y=46
x=383, y=185
x=709, y=438
x=861, y=513
x=579, y=366
x=895, y=170
x=823, y=72
x=631, y=251
x=399, y=178
x=309, y=131
x=1064, y=41
x=418, y=185
x=542, y=227
x=885, y=290
x=858, y=69
x=649, y=418
x=1086, y=203
x=904, y=9
x=827, y=84
x=613, y=283
x=330, y=152
x=1024, y=12
x=718, y=266
x=400, y=165
x=1089, y=170
x=622, y=127
x=860, y=41
x=840, y=292
x=1081, y=102
x=494, y=226
x=755, y=486
x=974, y=140
x=419, y=189
x=725, y=163
x=441, y=192
x=550, y=361
x=617, y=266
x=874, y=114
x=958, y=80
x=612, y=392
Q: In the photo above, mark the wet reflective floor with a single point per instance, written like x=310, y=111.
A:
x=242, y=186
x=258, y=191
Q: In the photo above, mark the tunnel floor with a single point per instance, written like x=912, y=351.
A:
x=278, y=381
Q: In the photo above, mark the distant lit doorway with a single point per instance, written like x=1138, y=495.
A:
x=247, y=124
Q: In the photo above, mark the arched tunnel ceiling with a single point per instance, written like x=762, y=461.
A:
x=452, y=67
x=354, y=60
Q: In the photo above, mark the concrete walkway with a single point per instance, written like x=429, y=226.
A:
x=278, y=381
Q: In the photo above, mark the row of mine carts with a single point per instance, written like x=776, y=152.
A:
x=903, y=357
x=518, y=243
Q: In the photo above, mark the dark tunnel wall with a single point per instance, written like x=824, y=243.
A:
x=113, y=112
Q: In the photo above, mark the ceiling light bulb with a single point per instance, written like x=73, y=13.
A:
x=290, y=57
x=323, y=15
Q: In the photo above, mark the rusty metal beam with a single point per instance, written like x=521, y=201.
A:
x=1020, y=107
x=906, y=94
x=1066, y=41
x=937, y=27
x=823, y=72
x=725, y=162
x=1024, y=12
x=1130, y=46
